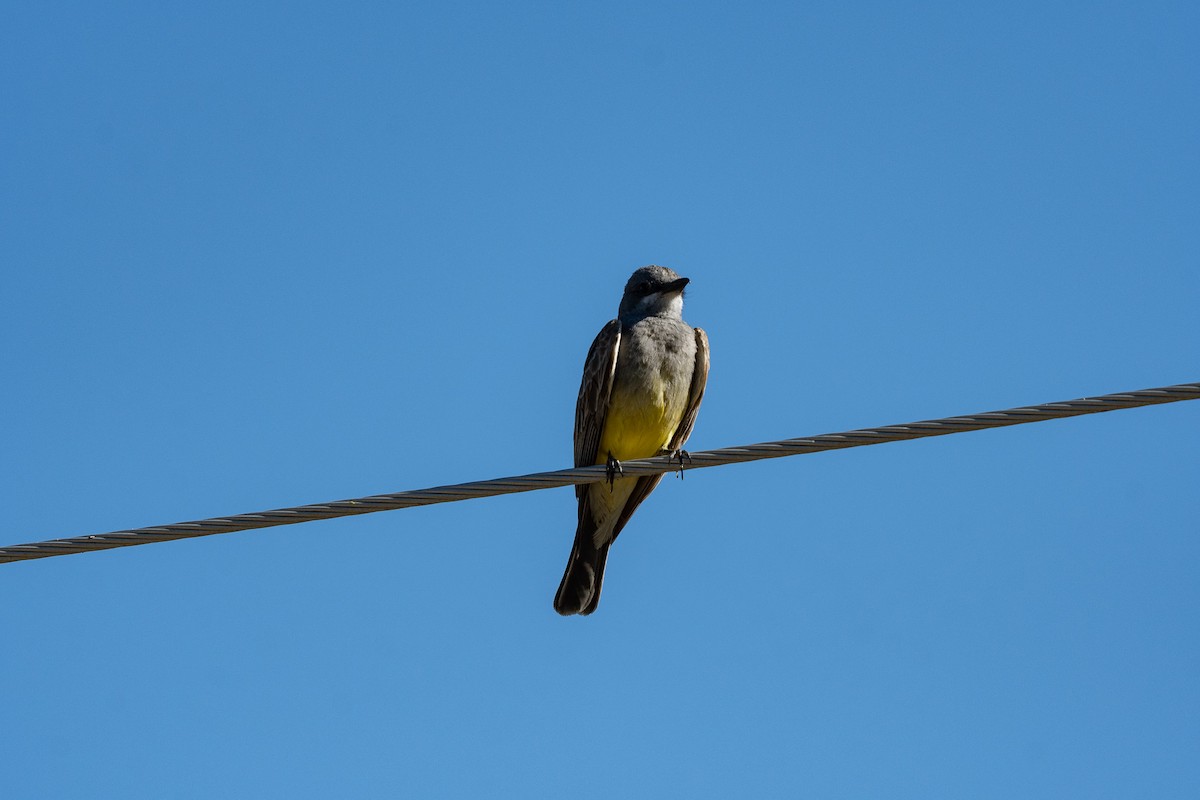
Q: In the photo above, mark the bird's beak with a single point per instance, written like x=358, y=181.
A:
x=674, y=286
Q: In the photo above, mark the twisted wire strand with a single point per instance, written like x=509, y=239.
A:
x=567, y=477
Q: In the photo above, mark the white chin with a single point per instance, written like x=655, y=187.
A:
x=654, y=302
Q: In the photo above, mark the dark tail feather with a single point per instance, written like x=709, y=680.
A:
x=579, y=592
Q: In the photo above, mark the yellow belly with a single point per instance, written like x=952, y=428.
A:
x=638, y=427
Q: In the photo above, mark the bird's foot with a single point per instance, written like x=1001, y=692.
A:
x=612, y=468
x=679, y=455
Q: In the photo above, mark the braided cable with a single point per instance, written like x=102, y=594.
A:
x=567, y=477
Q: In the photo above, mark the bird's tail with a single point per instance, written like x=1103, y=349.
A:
x=579, y=592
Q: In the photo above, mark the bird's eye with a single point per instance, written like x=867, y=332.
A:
x=644, y=287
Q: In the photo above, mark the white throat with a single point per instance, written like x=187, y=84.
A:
x=657, y=304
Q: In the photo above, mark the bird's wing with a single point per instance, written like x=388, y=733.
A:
x=592, y=407
x=695, y=393
x=647, y=483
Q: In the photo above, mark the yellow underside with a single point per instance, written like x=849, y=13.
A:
x=635, y=428
x=638, y=426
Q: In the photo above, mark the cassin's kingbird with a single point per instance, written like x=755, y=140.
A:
x=642, y=385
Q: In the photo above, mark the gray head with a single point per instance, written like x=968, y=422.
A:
x=653, y=292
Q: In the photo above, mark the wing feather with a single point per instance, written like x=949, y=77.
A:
x=695, y=392
x=591, y=409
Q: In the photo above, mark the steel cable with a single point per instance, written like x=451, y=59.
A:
x=567, y=477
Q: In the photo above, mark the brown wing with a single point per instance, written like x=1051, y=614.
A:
x=647, y=483
x=594, y=391
x=695, y=393
x=585, y=568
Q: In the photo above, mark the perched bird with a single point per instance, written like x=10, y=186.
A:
x=642, y=385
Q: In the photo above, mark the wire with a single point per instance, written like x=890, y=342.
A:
x=566, y=477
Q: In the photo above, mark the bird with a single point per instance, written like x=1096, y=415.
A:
x=643, y=380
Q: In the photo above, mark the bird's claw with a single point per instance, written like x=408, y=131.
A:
x=612, y=468
x=679, y=455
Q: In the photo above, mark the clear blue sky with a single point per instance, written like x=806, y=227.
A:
x=261, y=254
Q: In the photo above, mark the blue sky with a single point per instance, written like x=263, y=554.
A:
x=260, y=255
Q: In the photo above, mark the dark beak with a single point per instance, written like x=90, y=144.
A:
x=674, y=286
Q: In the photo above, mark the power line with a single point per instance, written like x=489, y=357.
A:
x=567, y=477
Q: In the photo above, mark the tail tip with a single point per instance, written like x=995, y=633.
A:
x=576, y=590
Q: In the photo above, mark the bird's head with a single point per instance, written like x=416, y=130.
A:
x=653, y=292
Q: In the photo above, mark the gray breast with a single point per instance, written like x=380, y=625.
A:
x=657, y=349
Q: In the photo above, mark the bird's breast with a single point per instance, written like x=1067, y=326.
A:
x=650, y=392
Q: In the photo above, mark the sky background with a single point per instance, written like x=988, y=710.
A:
x=259, y=255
